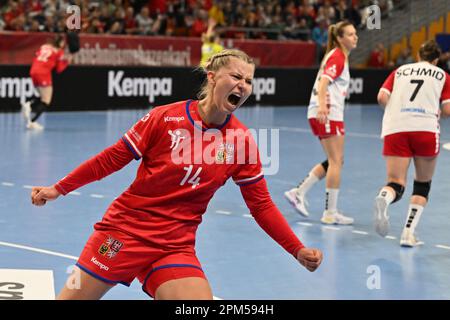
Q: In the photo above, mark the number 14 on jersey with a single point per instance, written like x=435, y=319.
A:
x=194, y=179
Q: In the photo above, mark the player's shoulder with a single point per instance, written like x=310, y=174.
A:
x=335, y=57
x=400, y=70
x=442, y=71
x=337, y=53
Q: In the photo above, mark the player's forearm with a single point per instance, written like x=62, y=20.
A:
x=382, y=98
x=103, y=164
x=275, y=225
x=445, y=111
x=322, y=92
x=269, y=218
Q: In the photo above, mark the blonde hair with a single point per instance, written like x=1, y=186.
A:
x=218, y=61
x=334, y=31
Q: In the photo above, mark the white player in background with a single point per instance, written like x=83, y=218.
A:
x=414, y=96
x=326, y=118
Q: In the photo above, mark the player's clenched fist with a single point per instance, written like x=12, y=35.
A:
x=40, y=195
x=310, y=258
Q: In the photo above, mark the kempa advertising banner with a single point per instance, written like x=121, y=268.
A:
x=100, y=88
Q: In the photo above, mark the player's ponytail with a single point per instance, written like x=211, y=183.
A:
x=429, y=51
x=335, y=31
x=332, y=39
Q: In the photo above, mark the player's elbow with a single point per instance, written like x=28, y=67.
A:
x=382, y=98
x=260, y=208
x=445, y=111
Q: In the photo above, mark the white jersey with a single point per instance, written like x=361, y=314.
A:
x=416, y=91
x=335, y=67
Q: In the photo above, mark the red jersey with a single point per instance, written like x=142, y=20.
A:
x=176, y=180
x=48, y=58
x=183, y=164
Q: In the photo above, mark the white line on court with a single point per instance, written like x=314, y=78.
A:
x=331, y=228
x=98, y=196
x=53, y=253
x=306, y=224
x=7, y=184
x=442, y=246
x=27, y=187
x=74, y=193
x=360, y=232
x=391, y=237
x=223, y=212
x=247, y=215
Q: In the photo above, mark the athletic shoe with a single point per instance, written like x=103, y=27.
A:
x=26, y=111
x=298, y=201
x=380, y=216
x=34, y=126
x=408, y=239
x=335, y=218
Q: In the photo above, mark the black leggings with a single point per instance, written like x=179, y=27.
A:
x=38, y=107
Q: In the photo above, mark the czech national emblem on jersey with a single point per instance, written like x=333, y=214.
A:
x=225, y=153
x=110, y=248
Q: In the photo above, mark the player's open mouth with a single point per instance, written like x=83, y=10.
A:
x=234, y=99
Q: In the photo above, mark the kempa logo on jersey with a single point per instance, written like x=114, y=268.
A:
x=99, y=264
x=21, y=88
x=263, y=86
x=177, y=119
x=121, y=86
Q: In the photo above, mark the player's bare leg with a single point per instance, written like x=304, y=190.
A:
x=191, y=288
x=46, y=94
x=425, y=167
x=334, y=150
x=82, y=286
x=297, y=196
x=397, y=169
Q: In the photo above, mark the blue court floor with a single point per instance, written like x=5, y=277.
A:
x=239, y=259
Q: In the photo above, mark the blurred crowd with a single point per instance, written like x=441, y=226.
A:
x=378, y=58
x=306, y=20
x=256, y=19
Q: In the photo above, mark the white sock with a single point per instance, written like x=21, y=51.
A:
x=331, y=200
x=307, y=183
x=387, y=194
x=414, y=213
